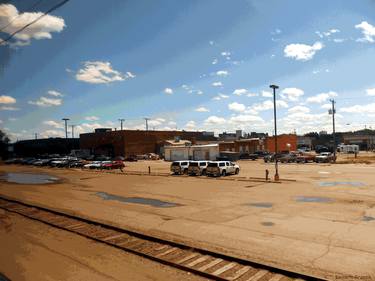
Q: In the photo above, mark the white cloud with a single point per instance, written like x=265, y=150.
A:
x=292, y=94
x=327, y=33
x=190, y=125
x=320, y=98
x=299, y=109
x=99, y=72
x=245, y=118
x=222, y=73
x=225, y=54
x=220, y=97
x=240, y=92
x=217, y=84
x=55, y=93
x=326, y=106
x=367, y=30
x=92, y=118
x=46, y=102
x=302, y=52
x=235, y=106
x=7, y=100
x=54, y=124
x=363, y=109
x=267, y=94
x=215, y=61
x=202, y=109
x=12, y=20
x=10, y=108
x=168, y=91
x=370, y=92
x=215, y=120
x=268, y=104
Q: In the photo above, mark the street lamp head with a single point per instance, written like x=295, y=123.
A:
x=274, y=86
x=65, y=119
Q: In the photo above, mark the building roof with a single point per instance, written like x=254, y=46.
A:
x=178, y=142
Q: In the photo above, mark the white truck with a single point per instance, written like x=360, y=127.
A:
x=222, y=168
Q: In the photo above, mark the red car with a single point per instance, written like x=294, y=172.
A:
x=114, y=165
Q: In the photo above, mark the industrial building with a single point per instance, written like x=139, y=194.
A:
x=193, y=152
x=135, y=142
x=242, y=145
x=32, y=148
x=285, y=142
x=365, y=142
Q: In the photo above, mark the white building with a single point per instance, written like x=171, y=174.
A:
x=193, y=152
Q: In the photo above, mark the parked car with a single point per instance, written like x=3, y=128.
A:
x=321, y=148
x=271, y=157
x=180, y=167
x=153, y=156
x=93, y=165
x=197, y=168
x=42, y=162
x=113, y=165
x=250, y=156
x=131, y=158
x=222, y=168
x=325, y=157
x=305, y=158
x=289, y=158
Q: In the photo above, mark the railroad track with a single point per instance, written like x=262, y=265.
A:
x=205, y=263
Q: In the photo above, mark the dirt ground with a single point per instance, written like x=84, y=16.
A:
x=321, y=221
x=34, y=251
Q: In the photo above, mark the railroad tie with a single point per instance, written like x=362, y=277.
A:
x=171, y=250
x=258, y=275
x=224, y=268
x=209, y=265
x=240, y=272
x=199, y=260
x=187, y=258
x=277, y=277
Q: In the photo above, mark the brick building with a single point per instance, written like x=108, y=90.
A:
x=286, y=142
x=133, y=142
x=242, y=145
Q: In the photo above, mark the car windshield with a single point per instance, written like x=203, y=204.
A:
x=212, y=164
x=194, y=164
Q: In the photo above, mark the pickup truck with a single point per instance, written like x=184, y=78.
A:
x=305, y=158
x=325, y=157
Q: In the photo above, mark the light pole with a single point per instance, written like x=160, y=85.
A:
x=66, y=126
x=72, y=126
x=274, y=87
x=121, y=122
x=333, y=111
x=146, y=119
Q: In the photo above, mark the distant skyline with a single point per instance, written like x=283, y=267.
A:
x=192, y=65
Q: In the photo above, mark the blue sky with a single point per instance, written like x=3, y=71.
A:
x=194, y=65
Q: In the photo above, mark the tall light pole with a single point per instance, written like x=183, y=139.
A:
x=146, y=119
x=121, y=122
x=72, y=126
x=66, y=126
x=274, y=87
x=333, y=112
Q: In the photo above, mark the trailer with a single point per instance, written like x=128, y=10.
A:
x=348, y=148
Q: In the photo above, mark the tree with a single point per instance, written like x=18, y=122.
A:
x=4, y=140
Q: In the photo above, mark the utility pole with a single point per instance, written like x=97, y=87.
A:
x=121, y=121
x=146, y=119
x=72, y=126
x=333, y=112
x=274, y=87
x=66, y=126
x=36, y=136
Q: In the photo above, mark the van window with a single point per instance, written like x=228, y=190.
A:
x=184, y=163
x=175, y=164
x=202, y=164
x=227, y=163
x=212, y=164
x=193, y=164
x=222, y=164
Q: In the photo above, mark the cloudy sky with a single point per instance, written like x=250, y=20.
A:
x=193, y=65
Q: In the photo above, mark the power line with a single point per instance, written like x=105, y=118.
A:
x=29, y=9
x=34, y=21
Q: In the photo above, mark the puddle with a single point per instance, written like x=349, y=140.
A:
x=336, y=183
x=312, y=199
x=137, y=200
x=24, y=178
x=368, y=218
x=261, y=205
x=268, y=223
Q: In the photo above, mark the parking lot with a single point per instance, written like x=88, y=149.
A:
x=318, y=220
